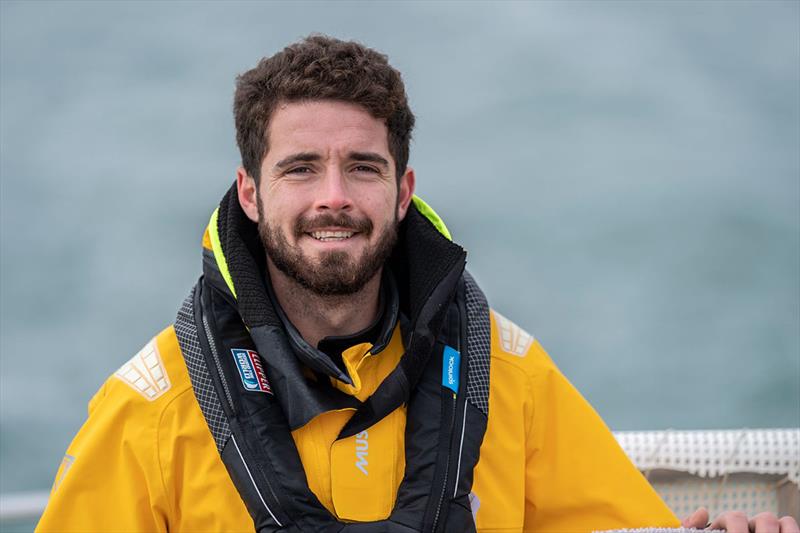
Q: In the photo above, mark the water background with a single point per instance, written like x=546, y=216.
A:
x=625, y=177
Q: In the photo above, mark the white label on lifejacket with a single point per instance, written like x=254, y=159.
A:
x=362, y=449
x=145, y=372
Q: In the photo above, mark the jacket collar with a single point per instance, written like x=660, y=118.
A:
x=320, y=361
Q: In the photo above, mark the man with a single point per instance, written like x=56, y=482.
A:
x=336, y=368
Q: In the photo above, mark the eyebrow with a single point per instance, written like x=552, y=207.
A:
x=302, y=157
x=308, y=157
x=370, y=157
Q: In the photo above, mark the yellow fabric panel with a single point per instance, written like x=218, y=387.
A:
x=368, y=464
x=591, y=484
x=554, y=464
x=366, y=370
x=207, y=240
x=311, y=441
x=202, y=495
x=499, y=481
x=138, y=465
x=114, y=481
x=331, y=466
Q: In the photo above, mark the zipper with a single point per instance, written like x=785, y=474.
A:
x=446, y=469
x=460, y=449
x=464, y=349
x=217, y=362
x=253, y=481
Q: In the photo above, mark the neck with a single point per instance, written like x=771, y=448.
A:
x=317, y=317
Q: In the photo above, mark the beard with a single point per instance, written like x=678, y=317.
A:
x=336, y=273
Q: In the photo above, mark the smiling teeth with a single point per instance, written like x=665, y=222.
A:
x=331, y=235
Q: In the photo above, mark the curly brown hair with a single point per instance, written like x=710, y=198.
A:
x=320, y=68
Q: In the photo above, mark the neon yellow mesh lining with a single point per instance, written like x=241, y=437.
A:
x=216, y=247
x=431, y=215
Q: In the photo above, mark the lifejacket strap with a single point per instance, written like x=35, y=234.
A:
x=189, y=342
x=479, y=344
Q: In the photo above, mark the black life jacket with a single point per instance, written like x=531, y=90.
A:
x=446, y=334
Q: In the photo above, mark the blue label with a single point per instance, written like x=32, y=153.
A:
x=451, y=362
x=246, y=369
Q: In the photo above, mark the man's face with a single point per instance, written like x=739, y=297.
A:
x=328, y=202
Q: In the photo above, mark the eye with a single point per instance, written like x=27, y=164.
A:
x=366, y=168
x=299, y=170
x=300, y=173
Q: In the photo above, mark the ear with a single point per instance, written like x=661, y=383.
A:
x=248, y=193
x=405, y=192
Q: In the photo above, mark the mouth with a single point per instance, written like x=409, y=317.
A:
x=332, y=235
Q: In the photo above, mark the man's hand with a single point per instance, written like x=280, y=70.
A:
x=737, y=522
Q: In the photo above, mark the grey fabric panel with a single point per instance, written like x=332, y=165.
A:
x=186, y=331
x=478, y=345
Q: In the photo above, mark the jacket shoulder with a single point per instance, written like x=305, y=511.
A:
x=113, y=464
x=149, y=380
x=515, y=346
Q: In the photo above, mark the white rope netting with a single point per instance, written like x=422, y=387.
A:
x=716, y=453
x=751, y=470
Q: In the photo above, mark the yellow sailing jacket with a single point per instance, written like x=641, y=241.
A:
x=146, y=461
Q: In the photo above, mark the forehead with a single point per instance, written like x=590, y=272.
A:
x=324, y=126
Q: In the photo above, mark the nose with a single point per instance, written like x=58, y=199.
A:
x=333, y=194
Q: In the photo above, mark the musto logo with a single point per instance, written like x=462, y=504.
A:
x=362, y=448
x=250, y=370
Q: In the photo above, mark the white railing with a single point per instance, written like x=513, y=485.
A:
x=751, y=470
x=22, y=505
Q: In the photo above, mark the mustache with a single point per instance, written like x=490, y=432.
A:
x=342, y=220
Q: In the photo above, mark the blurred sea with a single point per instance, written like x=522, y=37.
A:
x=624, y=175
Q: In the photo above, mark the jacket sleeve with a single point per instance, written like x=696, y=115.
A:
x=109, y=479
x=577, y=478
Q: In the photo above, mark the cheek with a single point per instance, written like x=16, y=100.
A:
x=277, y=219
x=277, y=207
x=383, y=203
